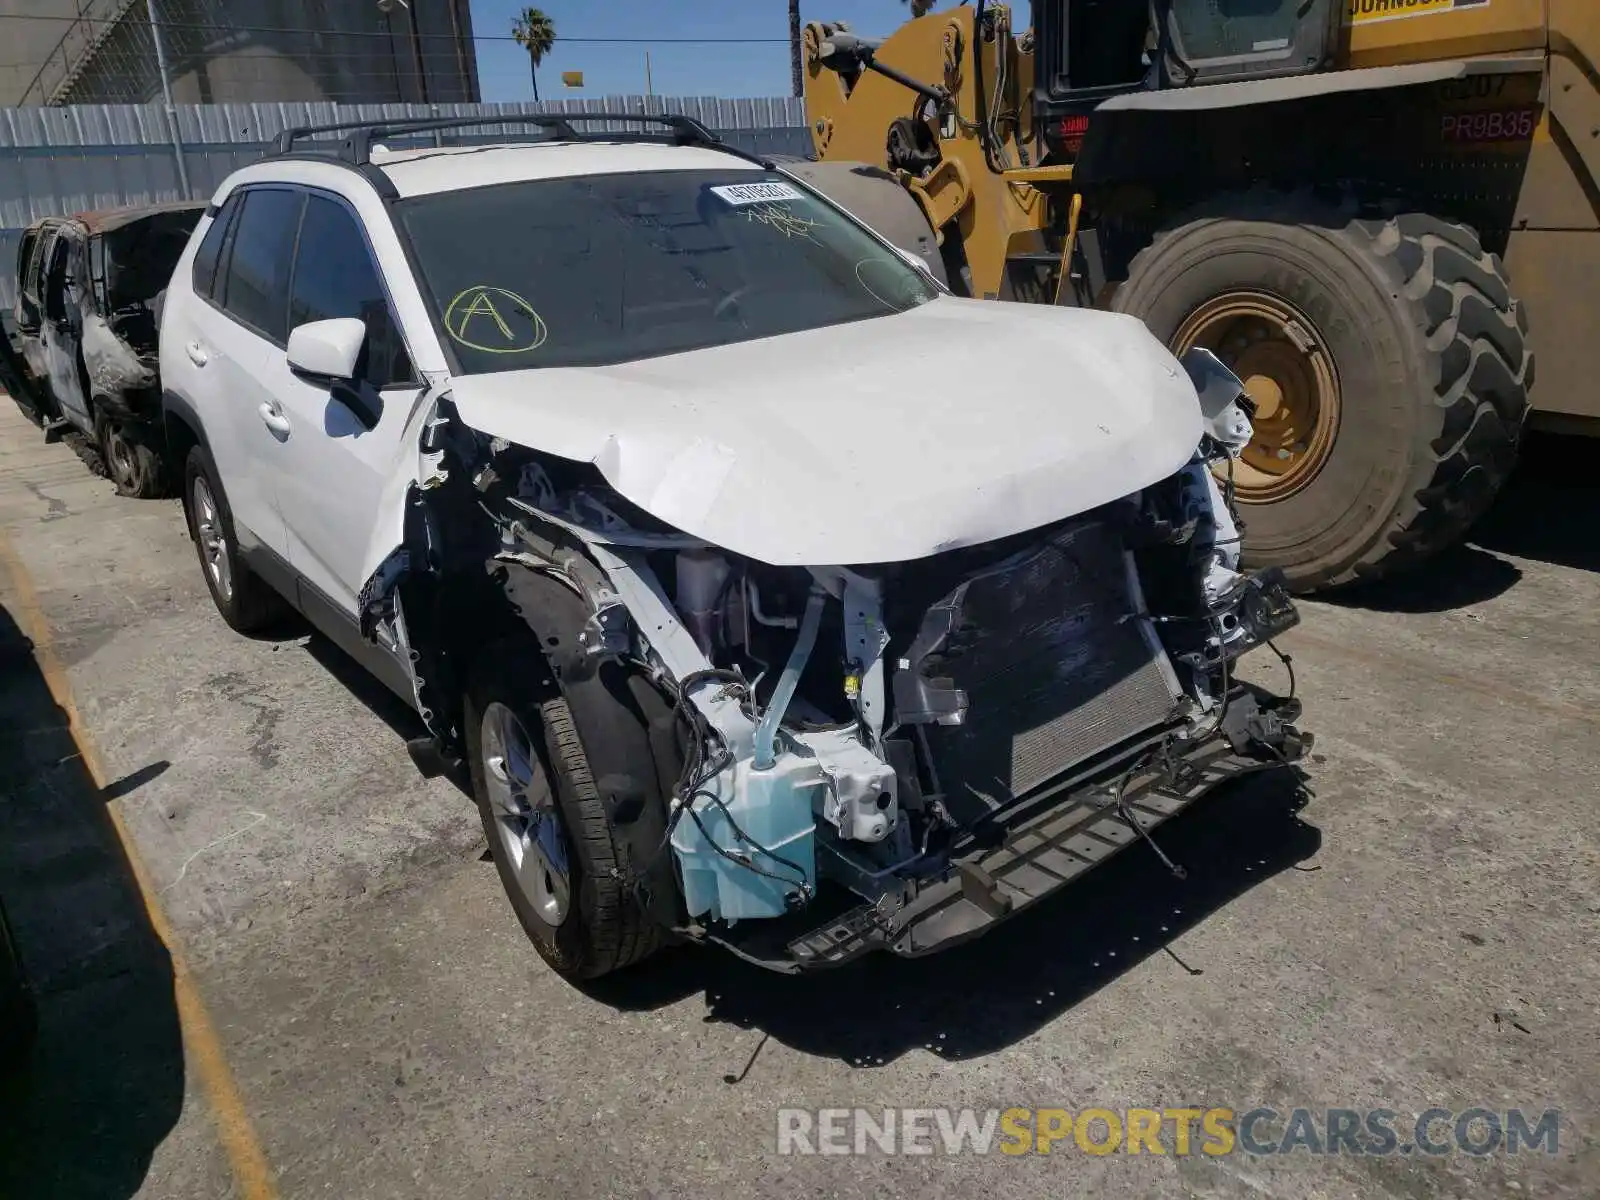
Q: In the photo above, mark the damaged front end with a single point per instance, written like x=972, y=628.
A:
x=865, y=756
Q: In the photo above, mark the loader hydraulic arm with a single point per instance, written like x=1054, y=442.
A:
x=849, y=55
x=963, y=146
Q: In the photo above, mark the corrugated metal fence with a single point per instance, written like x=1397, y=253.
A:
x=60, y=160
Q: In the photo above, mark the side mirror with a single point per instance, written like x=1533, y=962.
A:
x=327, y=351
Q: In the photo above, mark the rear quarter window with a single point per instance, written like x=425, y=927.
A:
x=204, y=275
x=256, y=288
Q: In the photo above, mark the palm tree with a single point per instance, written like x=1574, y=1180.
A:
x=920, y=8
x=536, y=33
x=796, y=74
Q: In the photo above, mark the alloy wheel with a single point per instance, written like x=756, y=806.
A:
x=527, y=822
x=213, y=541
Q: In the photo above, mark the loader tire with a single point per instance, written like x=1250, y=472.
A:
x=1424, y=342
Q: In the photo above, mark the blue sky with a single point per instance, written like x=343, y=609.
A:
x=759, y=67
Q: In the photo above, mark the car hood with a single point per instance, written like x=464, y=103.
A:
x=954, y=423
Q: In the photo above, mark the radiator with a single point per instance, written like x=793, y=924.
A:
x=1053, y=667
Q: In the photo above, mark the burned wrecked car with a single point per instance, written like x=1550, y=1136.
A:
x=770, y=595
x=88, y=291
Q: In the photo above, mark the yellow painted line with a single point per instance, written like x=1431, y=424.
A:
x=237, y=1135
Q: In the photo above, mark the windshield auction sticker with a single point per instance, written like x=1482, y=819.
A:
x=1370, y=12
x=756, y=193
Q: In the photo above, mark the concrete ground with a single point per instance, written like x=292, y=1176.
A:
x=1422, y=933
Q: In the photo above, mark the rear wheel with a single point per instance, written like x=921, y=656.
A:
x=245, y=601
x=132, y=461
x=1387, y=363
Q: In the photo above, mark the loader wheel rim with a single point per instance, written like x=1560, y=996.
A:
x=1289, y=375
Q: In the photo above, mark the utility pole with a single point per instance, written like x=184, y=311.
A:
x=461, y=56
x=166, y=92
x=416, y=50
x=648, y=89
x=796, y=69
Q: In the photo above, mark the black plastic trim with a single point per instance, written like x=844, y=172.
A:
x=357, y=147
x=175, y=407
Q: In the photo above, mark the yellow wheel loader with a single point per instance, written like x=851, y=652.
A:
x=1373, y=211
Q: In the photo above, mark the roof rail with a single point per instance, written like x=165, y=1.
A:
x=356, y=148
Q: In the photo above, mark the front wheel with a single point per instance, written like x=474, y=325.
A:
x=1386, y=360
x=558, y=854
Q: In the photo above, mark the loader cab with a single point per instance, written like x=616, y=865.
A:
x=1089, y=50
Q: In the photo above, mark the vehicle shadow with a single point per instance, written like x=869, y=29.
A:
x=1547, y=513
x=1551, y=507
x=1458, y=577
x=104, y=1082
x=399, y=716
x=365, y=687
x=988, y=994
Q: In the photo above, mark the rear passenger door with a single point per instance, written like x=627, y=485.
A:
x=236, y=337
x=344, y=448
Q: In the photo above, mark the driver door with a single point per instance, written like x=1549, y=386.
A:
x=62, y=328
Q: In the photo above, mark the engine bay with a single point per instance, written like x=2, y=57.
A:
x=852, y=742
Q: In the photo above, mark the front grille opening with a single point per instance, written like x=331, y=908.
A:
x=1055, y=665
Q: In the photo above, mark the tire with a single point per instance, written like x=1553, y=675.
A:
x=602, y=927
x=1432, y=364
x=133, y=464
x=244, y=600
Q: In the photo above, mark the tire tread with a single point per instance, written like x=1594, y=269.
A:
x=254, y=606
x=620, y=933
x=1477, y=360
x=1483, y=374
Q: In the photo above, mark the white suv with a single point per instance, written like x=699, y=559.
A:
x=770, y=594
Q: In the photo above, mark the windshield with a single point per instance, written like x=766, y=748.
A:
x=603, y=269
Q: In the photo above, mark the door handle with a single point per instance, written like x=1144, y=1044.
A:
x=274, y=420
x=196, y=353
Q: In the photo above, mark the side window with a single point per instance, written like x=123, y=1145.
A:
x=205, y=258
x=28, y=306
x=33, y=273
x=334, y=276
x=256, y=289
x=24, y=255
x=55, y=281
